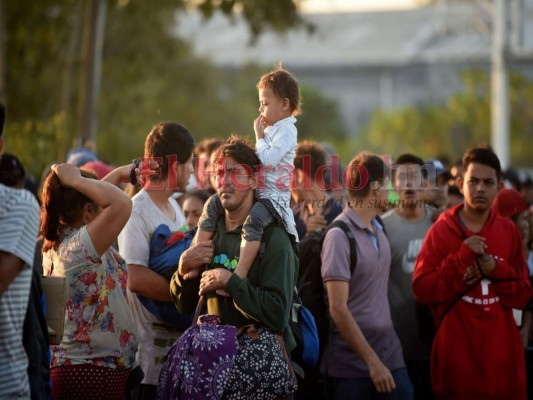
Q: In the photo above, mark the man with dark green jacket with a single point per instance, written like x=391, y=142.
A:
x=265, y=294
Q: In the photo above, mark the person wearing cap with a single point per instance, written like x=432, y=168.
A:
x=511, y=204
x=100, y=168
x=80, y=155
x=472, y=273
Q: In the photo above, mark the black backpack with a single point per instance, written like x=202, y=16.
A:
x=309, y=284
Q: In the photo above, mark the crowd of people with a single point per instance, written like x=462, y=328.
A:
x=437, y=304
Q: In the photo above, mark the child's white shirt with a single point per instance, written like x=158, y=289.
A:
x=277, y=151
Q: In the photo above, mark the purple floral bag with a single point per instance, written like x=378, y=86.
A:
x=221, y=362
x=198, y=365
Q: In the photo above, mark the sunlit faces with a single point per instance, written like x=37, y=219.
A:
x=235, y=182
x=480, y=186
x=211, y=182
x=201, y=171
x=272, y=108
x=192, y=209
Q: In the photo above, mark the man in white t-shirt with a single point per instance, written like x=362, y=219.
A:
x=171, y=145
x=19, y=224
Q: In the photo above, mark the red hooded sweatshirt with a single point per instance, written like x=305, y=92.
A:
x=477, y=351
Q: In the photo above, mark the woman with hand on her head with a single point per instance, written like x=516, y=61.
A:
x=81, y=218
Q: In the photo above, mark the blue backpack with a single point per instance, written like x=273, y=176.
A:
x=165, y=252
x=305, y=332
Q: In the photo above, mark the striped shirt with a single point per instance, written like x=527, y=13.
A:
x=19, y=224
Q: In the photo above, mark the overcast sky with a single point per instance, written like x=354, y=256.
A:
x=355, y=5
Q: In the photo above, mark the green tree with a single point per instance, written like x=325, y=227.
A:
x=463, y=121
x=148, y=74
x=38, y=45
x=320, y=118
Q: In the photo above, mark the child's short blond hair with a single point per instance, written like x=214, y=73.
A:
x=284, y=85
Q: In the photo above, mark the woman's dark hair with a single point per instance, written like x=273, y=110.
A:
x=61, y=207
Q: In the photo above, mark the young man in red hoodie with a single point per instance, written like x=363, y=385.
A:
x=472, y=273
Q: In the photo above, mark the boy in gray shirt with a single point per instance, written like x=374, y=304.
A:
x=406, y=226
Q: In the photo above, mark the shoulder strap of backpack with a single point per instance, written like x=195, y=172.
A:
x=351, y=239
x=380, y=221
x=353, y=262
x=267, y=231
x=335, y=224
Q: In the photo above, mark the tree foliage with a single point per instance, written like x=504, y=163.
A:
x=320, y=117
x=463, y=121
x=148, y=76
x=278, y=15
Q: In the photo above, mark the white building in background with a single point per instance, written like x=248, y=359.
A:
x=371, y=60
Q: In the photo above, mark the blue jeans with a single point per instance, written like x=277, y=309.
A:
x=364, y=389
